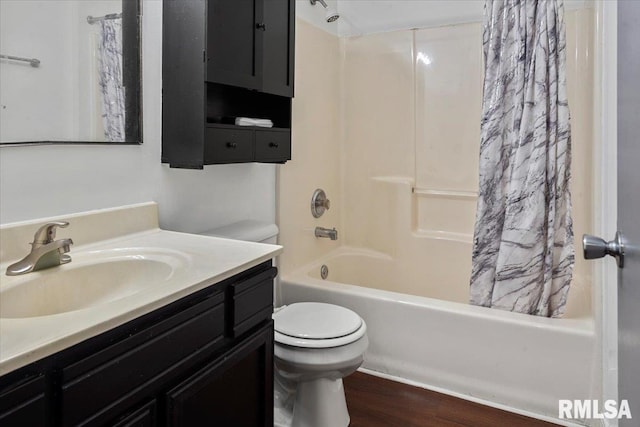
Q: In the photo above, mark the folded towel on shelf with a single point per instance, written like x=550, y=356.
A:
x=248, y=121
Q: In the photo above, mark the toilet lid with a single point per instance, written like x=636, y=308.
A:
x=314, y=320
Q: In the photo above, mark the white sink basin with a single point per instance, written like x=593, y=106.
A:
x=92, y=278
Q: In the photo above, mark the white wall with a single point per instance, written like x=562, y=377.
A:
x=47, y=180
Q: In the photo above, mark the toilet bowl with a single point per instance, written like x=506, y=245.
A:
x=316, y=345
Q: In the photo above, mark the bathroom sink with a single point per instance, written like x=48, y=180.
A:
x=91, y=279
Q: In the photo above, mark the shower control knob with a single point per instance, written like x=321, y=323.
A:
x=231, y=145
x=261, y=26
x=594, y=247
x=319, y=203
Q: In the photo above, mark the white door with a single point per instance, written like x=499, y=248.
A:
x=626, y=246
x=629, y=205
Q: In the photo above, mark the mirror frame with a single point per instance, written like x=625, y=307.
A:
x=131, y=76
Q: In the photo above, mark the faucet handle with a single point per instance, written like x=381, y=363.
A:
x=47, y=232
x=319, y=203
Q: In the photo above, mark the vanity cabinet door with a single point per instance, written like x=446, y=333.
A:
x=235, y=390
x=24, y=404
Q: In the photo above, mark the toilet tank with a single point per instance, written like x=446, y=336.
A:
x=249, y=230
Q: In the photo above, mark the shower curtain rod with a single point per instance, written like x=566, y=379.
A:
x=93, y=20
x=33, y=61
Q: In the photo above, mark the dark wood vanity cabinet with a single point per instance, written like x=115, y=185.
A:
x=206, y=359
x=221, y=60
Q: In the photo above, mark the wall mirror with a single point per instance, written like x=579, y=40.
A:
x=70, y=71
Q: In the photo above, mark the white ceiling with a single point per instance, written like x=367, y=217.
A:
x=359, y=17
x=375, y=16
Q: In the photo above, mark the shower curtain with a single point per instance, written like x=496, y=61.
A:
x=523, y=251
x=110, y=79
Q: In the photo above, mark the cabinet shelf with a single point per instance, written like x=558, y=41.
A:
x=255, y=128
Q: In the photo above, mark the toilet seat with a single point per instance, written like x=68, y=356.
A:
x=317, y=325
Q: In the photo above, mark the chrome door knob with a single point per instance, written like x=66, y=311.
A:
x=594, y=247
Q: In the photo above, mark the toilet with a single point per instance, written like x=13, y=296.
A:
x=316, y=345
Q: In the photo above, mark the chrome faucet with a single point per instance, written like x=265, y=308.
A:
x=327, y=232
x=45, y=251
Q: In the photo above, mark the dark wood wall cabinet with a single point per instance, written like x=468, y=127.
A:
x=206, y=359
x=224, y=59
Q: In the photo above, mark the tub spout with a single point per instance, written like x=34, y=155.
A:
x=327, y=232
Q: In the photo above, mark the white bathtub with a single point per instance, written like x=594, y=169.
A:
x=520, y=362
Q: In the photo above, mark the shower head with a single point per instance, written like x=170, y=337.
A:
x=331, y=15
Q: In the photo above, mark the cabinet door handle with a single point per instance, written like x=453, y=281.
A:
x=231, y=145
x=273, y=144
x=261, y=26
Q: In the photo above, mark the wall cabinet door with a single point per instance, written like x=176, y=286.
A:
x=250, y=44
x=234, y=48
x=236, y=390
x=278, y=47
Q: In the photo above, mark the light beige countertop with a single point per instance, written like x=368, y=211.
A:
x=196, y=262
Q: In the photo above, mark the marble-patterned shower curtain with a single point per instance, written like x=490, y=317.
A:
x=110, y=79
x=523, y=251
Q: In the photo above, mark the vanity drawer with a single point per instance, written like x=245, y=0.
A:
x=273, y=145
x=24, y=404
x=251, y=301
x=114, y=374
x=142, y=417
x=228, y=145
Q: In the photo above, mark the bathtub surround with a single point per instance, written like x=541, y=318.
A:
x=316, y=128
x=346, y=118
x=360, y=141
x=110, y=79
x=523, y=252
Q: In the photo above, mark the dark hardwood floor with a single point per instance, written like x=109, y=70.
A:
x=377, y=402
